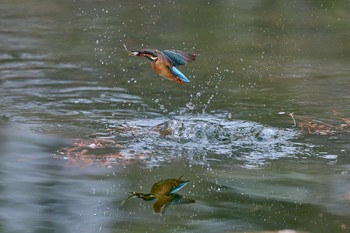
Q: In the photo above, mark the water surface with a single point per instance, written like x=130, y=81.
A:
x=82, y=123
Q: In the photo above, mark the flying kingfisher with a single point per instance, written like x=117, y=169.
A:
x=165, y=62
x=164, y=194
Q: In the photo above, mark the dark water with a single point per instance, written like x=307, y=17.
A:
x=66, y=80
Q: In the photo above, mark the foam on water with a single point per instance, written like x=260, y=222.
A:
x=207, y=138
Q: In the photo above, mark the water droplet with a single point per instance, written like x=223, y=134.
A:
x=190, y=105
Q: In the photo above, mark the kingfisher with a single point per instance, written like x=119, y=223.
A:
x=164, y=194
x=165, y=62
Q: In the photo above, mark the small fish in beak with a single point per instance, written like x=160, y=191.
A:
x=131, y=53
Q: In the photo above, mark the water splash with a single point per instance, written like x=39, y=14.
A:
x=205, y=139
x=202, y=99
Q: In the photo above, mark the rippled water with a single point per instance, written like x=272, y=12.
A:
x=82, y=124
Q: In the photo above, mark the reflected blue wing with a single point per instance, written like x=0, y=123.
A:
x=178, y=58
x=177, y=188
x=178, y=73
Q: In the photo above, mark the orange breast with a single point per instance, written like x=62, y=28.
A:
x=161, y=67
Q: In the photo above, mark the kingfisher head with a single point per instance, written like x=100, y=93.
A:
x=152, y=55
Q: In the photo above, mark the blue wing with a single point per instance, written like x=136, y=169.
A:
x=178, y=58
x=178, y=73
x=177, y=188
